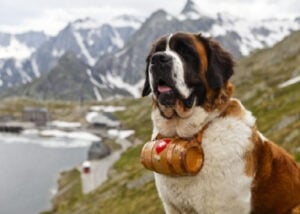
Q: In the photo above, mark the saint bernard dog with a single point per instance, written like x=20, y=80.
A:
x=243, y=172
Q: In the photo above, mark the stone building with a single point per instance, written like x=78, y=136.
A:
x=39, y=116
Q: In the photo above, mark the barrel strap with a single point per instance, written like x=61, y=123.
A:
x=198, y=137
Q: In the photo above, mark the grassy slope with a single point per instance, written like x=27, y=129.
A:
x=256, y=82
x=277, y=109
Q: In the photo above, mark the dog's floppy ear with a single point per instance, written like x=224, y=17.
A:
x=220, y=64
x=147, y=89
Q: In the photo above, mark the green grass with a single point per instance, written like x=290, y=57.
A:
x=70, y=185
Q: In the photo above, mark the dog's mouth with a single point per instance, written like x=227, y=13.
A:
x=166, y=94
x=163, y=87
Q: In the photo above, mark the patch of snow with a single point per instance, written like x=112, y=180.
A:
x=30, y=132
x=35, y=68
x=25, y=77
x=90, y=42
x=101, y=119
x=289, y=82
x=86, y=24
x=109, y=49
x=120, y=53
x=91, y=61
x=72, y=135
x=65, y=124
x=169, y=17
x=117, y=40
x=15, y=49
x=1, y=82
x=122, y=134
x=126, y=21
x=57, y=53
x=97, y=93
x=107, y=108
x=119, y=83
x=93, y=80
x=9, y=72
x=18, y=63
x=191, y=15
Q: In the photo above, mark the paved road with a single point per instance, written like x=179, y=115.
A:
x=99, y=168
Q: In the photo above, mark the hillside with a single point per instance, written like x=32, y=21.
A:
x=258, y=80
x=130, y=188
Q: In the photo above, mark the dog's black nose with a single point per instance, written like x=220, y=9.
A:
x=160, y=58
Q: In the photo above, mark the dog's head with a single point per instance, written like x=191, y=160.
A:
x=186, y=70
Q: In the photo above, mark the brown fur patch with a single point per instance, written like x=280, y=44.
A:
x=202, y=53
x=218, y=100
x=296, y=210
x=251, y=153
x=276, y=185
x=233, y=108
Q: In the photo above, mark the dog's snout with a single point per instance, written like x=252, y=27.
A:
x=160, y=58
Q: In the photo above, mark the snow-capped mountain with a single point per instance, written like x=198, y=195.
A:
x=86, y=38
x=20, y=46
x=15, y=49
x=251, y=34
x=238, y=35
x=115, y=52
x=191, y=11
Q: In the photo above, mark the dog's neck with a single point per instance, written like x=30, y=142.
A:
x=182, y=127
x=189, y=122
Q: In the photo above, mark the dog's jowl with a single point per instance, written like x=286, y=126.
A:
x=243, y=172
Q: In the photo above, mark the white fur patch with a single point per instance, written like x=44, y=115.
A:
x=178, y=74
x=168, y=42
x=178, y=71
x=222, y=185
x=151, y=81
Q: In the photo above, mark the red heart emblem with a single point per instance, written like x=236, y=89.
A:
x=161, y=145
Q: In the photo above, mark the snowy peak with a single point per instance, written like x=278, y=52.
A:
x=226, y=18
x=20, y=46
x=126, y=21
x=84, y=24
x=191, y=11
x=117, y=22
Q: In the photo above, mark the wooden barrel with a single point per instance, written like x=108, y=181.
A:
x=174, y=157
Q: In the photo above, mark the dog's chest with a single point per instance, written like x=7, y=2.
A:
x=222, y=185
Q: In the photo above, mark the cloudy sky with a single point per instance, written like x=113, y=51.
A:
x=51, y=16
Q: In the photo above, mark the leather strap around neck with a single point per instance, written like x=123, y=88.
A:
x=198, y=137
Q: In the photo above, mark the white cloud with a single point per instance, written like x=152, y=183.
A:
x=53, y=20
x=51, y=16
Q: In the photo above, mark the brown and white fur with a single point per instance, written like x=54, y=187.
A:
x=243, y=172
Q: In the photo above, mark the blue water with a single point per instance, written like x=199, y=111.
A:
x=29, y=172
